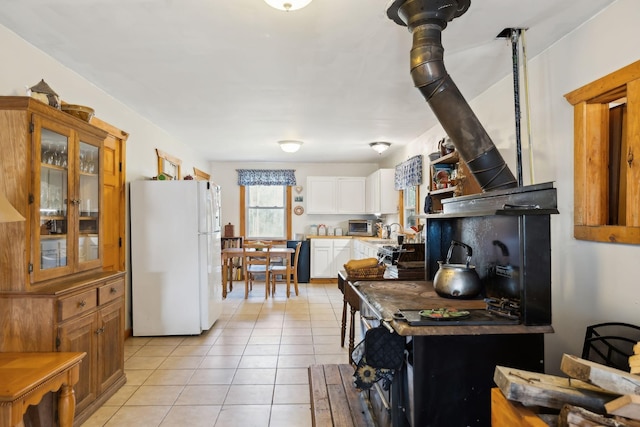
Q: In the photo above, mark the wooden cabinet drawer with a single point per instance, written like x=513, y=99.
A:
x=110, y=291
x=77, y=304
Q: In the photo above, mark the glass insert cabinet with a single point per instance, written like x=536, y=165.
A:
x=67, y=200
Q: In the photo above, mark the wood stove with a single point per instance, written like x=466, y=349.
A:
x=518, y=218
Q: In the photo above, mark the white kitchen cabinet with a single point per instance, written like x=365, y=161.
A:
x=328, y=256
x=351, y=195
x=381, y=196
x=363, y=249
x=336, y=195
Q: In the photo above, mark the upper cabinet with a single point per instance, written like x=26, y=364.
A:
x=52, y=174
x=381, y=197
x=336, y=195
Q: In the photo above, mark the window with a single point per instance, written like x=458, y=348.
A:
x=263, y=215
x=606, y=178
x=265, y=203
x=410, y=206
x=265, y=212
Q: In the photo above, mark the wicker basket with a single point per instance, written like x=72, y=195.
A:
x=366, y=273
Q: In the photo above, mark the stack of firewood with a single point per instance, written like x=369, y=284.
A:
x=634, y=361
x=592, y=395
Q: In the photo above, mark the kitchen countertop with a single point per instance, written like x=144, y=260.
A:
x=387, y=297
x=373, y=240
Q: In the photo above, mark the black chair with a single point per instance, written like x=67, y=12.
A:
x=611, y=344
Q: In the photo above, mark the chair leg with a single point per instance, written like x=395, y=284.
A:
x=246, y=285
x=288, y=284
x=343, y=331
x=352, y=333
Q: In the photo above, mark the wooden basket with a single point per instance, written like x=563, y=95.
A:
x=366, y=273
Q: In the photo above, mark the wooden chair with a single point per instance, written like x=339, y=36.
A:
x=285, y=272
x=256, y=258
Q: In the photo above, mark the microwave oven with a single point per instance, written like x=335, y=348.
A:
x=362, y=227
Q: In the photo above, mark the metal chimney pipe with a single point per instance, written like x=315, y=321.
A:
x=426, y=19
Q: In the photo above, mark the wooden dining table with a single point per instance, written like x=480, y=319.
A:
x=228, y=254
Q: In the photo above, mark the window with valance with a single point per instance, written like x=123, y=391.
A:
x=409, y=173
x=266, y=177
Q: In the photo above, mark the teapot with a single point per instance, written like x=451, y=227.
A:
x=445, y=145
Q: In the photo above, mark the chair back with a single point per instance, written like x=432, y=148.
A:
x=294, y=264
x=611, y=344
x=256, y=254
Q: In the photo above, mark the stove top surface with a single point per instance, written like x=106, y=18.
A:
x=476, y=317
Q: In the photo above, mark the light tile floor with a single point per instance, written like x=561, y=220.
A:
x=249, y=370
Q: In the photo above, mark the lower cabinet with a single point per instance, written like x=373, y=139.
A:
x=328, y=256
x=84, y=314
x=97, y=334
x=363, y=250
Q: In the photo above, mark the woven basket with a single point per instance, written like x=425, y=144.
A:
x=366, y=273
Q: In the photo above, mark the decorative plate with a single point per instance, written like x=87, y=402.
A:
x=444, y=314
x=298, y=189
x=298, y=210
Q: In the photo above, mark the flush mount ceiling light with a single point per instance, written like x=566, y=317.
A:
x=379, y=146
x=288, y=5
x=290, y=146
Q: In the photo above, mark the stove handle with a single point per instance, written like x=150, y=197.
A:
x=383, y=322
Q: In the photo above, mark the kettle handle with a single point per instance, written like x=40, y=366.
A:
x=462, y=245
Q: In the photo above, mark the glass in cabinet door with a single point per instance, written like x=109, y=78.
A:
x=89, y=207
x=54, y=222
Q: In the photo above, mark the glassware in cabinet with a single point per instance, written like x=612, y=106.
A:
x=68, y=200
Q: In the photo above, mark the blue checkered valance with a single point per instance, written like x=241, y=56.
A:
x=266, y=176
x=409, y=173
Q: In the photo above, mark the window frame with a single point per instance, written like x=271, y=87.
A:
x=591, y=156
x=402, y=219
x=243, y=212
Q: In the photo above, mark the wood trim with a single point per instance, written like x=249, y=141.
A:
x=632, y=150
x=607, y=88
x=607, y=233
x=288, y=210
x=592, y=148
x=401, y=204
x=171, y=159
x=201, y=175
x=243, y=207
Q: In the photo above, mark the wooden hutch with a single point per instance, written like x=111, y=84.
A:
x=55, y=294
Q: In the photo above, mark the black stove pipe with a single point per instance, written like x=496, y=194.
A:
x=426, y=19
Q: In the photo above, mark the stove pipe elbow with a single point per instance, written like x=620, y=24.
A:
x=426, y=19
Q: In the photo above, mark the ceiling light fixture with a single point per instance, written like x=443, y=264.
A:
x=290, y=146
x=288, y=5
x=380, y=147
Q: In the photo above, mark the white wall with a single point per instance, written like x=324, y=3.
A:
x=592, y=282
x=225, y=175
x=25, y=66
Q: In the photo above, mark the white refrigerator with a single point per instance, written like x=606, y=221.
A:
x=176, y=277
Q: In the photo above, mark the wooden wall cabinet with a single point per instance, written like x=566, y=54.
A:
x=54, y=293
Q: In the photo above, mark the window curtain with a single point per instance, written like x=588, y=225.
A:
x=266, y=177
x=409, y=173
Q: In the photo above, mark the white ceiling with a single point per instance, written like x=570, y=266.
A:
x=233, y=77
